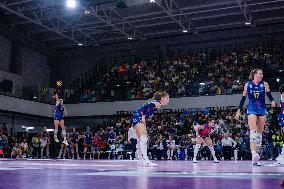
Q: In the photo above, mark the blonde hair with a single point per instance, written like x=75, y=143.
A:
x=158, y=96
x=253, y=72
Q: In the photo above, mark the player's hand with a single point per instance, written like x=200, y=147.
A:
x=201, y=127
x=238, y=114
x=273, y=104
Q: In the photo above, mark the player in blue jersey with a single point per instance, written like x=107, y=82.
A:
x=139, y=123
x=88, y=139
x=255, y=90
x=59, y=113
x=280, y=158
x=74, y=142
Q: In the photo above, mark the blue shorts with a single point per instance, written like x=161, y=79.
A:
x=281, y=120
x=136, y=118
x=88, y=142
x=96, y=149
x=58, y=117
x=257, y=113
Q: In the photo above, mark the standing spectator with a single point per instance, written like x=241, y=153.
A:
x=163, y=148
x=37, y=146
x=171, y=148
x=1, y=146
x=111, y=136
x=277, y=142
x=269, y=143
x=132, y=138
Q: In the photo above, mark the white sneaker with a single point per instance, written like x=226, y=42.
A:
x=140, y=163
x=256, y=164
x=194, y=161
x=255, y=159
x=148, y=163
x=216, y=161
x=280, y=159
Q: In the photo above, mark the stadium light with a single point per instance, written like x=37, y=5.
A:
x=184, y=31
x=49, y=130
x=152, y=1
x=247, y=23
x=278, y=80
x=71, y=4
x=27, y=128
x=80, y=44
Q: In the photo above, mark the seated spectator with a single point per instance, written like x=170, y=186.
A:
x=16, y=151
x=24, y=148
x=228, y=144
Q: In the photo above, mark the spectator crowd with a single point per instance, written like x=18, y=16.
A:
x=171, y=137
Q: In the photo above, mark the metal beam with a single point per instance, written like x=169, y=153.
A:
x=170, y=6
x=94, y=29
x=21, y=15
x=60, y=23
x=18, y=3
x=246, y=11
x=107, y=18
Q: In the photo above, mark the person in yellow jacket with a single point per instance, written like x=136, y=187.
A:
x=277, y=142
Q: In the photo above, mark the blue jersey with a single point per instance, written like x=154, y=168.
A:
x=147, y=109
x=59, y=112
x=75, y=137
x=88, y=137
x=256, y=96
x=281, y=116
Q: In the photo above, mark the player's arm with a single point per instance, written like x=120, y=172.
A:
x=268, y=93
x=242, y=102
x=57, y=100
x=65, y=111
x=199, y=127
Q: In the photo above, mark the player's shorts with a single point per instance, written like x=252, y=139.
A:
x=281, y=120
x=58, y=117
x=136, y=118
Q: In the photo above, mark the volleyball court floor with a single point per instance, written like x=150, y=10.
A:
x=125, y=174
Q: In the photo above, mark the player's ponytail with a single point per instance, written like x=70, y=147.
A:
x=158, y=96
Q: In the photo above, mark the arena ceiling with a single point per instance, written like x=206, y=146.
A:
x=94, y=22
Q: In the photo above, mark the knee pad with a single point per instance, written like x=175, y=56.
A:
x=211, y=148
x=55, y=131
x=253, y=136
x=197, y=146
x=259, y=139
